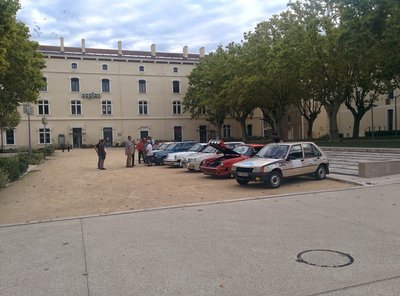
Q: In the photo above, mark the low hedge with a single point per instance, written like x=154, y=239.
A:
x=48, y=150
x=4, y=180
x=14, y=166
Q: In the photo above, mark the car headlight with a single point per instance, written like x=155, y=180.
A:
x=258, y=170
x=222, y=163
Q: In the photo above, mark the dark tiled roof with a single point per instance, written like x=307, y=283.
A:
x=47, y=49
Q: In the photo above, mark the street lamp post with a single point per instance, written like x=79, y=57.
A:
x=44, y=121
x=395, y=114
x=372, y=119
x=28, y=109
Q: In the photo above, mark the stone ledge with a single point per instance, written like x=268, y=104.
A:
x=371, y=169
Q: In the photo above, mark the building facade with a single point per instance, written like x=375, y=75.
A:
x=112, y=93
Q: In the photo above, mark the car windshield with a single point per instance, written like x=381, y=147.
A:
x=273, y=151
x=242, y=150
x=209, y=149
x=162, y=146
x=171, y=147
x=197, y=148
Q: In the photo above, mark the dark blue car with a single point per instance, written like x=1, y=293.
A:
x=159, y=156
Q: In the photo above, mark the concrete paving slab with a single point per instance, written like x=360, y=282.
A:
x=329, y=243
x=247, y=248
x=42, y=259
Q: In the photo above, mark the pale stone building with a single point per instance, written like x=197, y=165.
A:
x=112, y=93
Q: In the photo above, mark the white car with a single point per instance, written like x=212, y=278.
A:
x=192, y=162
x=175, y=159
x=281, y=160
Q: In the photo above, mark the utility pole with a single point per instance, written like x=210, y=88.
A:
x=28, y=109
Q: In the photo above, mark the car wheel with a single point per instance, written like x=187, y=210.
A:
x=274, y=180
x=242, y=182
x=320, y=173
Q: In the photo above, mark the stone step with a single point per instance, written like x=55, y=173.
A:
x=345, y=161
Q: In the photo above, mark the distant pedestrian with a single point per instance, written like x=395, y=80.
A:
x=149, y=153
x=139, y=147
x=133, y=152
x=144, y=150
x=101, y=152
x=129, y=150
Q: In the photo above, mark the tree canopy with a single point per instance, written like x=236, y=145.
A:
x=316, y=53
x=20, y=63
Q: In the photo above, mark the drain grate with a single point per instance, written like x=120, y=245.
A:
x=325, y=258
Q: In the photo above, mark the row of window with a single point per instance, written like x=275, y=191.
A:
x=106, y=107
x=106, y=85
x=45, y=135
x=104, y=67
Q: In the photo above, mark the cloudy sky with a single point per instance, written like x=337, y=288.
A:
x=170, y=24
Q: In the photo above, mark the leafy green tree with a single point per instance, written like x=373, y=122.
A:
x=309, y=109
x=274, y=44
x=363, y=24
x=238, y=89
x=20, y=64
x=204, y=97
x=327, y=64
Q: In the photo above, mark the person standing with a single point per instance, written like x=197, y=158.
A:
x=144, y=150
x=133, y=152
x=129, y=150
x=149, y=153
x=96, y=147
x=101, y=152
x=139, y=148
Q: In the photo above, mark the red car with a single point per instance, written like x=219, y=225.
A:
x=221, y=166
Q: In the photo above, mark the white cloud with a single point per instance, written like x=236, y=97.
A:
x=170, y=24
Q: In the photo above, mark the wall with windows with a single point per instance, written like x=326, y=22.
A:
x=104, y=93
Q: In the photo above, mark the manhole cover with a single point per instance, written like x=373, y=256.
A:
x=325, y=258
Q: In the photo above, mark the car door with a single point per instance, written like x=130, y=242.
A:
x=311, y=157
x=294, y=165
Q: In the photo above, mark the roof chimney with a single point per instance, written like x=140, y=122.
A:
x=202, y=52
x=153, y=50
x=120, y=48
x=185, y=52
x=83, y=45
x=62, y=44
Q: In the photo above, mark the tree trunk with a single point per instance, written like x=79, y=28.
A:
x=218, y=127
x=356, y=127
x=243, y=128
x=333, y=127
x=310, y=122
x=2, y=144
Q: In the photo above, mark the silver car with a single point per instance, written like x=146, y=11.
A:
x=192, y=162
x=175, y=159
x=277, y=161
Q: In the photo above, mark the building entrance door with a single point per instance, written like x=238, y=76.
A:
x=203, y=133
x=108, y=136
x=177, y=133
x=77, y=137
x=144, y=134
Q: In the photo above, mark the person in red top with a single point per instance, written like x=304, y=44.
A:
x=139, y=147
